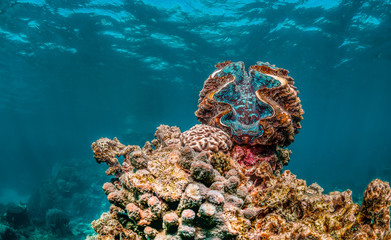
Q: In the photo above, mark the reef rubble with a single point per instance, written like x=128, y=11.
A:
x=223, y=179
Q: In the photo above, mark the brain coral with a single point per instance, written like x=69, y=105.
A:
x=258, y=107
x=202, y=137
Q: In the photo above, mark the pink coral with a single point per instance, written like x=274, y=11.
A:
x=251, y=156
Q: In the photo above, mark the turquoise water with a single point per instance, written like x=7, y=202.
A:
x=72, y=71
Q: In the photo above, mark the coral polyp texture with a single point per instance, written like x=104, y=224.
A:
x=258, y=107
x=223, y=179
x=202, y=137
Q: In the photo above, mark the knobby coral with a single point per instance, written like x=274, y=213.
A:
x=171, y=198
x=224, y=180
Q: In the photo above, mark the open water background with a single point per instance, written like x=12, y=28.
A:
x=72, y=71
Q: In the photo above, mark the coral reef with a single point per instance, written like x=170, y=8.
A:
x=16, y=215
x=258, y=107
x=7, y=233
x=58, y=221
x=16, y=225
x=184, y=194
x=223, y=179
x=60, y=207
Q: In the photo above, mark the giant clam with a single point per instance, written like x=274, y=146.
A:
x=260, y=107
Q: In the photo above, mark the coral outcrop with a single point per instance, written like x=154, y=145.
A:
x=17, y=215
x=179, y=193
x=185, y=194
x=224, y=180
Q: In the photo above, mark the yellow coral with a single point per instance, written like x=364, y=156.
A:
x=221, y=162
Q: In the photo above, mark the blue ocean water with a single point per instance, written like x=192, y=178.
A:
x=72, y=71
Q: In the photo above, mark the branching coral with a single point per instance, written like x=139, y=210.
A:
x=107, y=151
